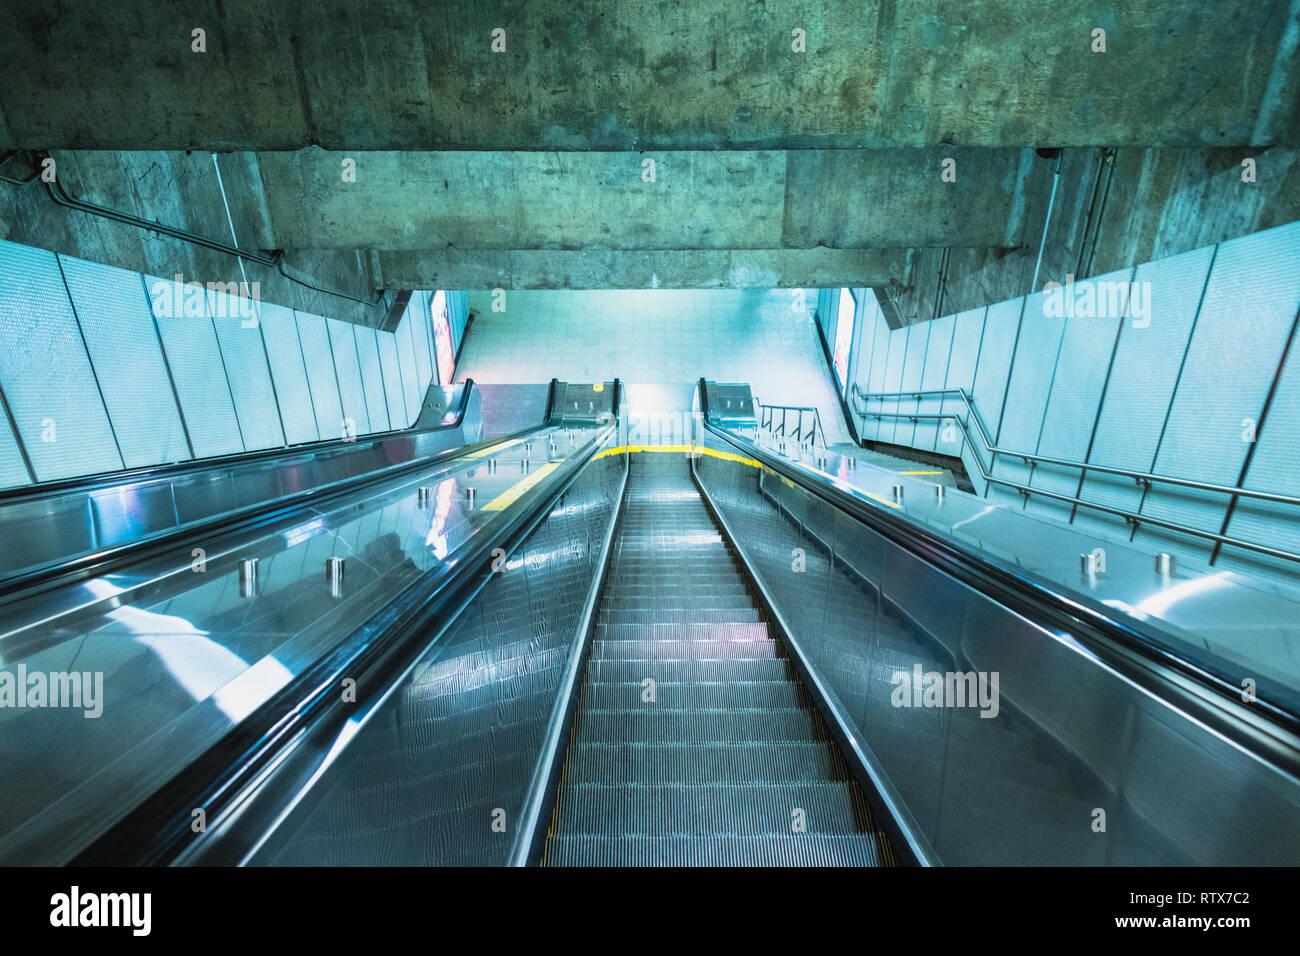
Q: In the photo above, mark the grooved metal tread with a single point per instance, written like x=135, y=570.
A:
x=693, y=741
x=769, y=849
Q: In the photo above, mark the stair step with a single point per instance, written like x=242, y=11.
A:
x=614, y=631
x=666, y=649
x=699, y=809
x=679, y=615
x=765, y=669
x=698, y=725
x=734, y=763
x=770, y=849
x=676, y=695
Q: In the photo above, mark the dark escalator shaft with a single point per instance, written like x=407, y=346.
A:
x=728, y=762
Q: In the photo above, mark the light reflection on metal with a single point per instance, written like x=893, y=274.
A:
x=301, y=533
x=202, y=668
x=437, y=537
x=1157, y=604
x=334, y=575
x=248, y=577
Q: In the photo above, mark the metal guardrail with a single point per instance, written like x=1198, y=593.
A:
x=1111, y=655
x=803, y=434
x=1144, y=479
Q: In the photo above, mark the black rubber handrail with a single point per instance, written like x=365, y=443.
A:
x=235, y=772
x=151, y=472
x=906, y=837
x=1133, y=648
x=100, y=562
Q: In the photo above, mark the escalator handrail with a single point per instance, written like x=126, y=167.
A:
x=1129, y=646
x=245, y=519
x=152, y=472
x=906, y=836
x=531, y=830
x=223, y=779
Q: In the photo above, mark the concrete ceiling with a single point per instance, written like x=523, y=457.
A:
x=527, y=168
x=670, y=75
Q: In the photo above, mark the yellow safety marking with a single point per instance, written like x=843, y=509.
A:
x=511, y=495
x=493, y=449
x=677, y=449
x=920, y=473
x=876, y=498
x=728, y=456
x=883, y=501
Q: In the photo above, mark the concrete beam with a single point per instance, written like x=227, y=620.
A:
x=850, y=199
x=184, y=192
x=624, y=75
x=1113, y=211
x=618, y=269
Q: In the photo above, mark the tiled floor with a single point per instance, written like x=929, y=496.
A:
x=655, y=336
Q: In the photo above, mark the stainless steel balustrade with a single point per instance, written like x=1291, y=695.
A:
x=1143, y=478
x=1087, y=721
x=51, y=524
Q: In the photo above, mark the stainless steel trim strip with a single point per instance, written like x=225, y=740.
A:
x=528, y=839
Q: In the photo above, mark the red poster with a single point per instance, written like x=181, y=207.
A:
x=442, y=337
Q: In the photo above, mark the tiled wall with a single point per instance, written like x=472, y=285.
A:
x=103, y=369
x=1169, y=384
x=764, y=338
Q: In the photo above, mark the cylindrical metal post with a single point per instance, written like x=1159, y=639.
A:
x=334, y=575
x=248, y=577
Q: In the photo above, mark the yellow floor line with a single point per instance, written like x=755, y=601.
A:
x=883, y=501
x=501, y=446
x=728, y=456
x=511, y=494
x=876, y=498
x=678, y=449
x=920, y=473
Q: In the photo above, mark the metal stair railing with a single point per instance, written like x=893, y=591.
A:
x=861, y=400
x=807, y=423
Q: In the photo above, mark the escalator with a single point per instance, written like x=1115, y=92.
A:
x=695, y=742
x=694, y=662
x=206, y=620
x=623, y=655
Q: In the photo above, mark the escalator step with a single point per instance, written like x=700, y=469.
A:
x=764, y=669
x=697, y=726
x=679, y=695
x=774, y=849
x=673, y=602
x=665, y=649
x=678, y=615
x=734, y=763
x=690, y=631
x=731, y=757
x=684, y=809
